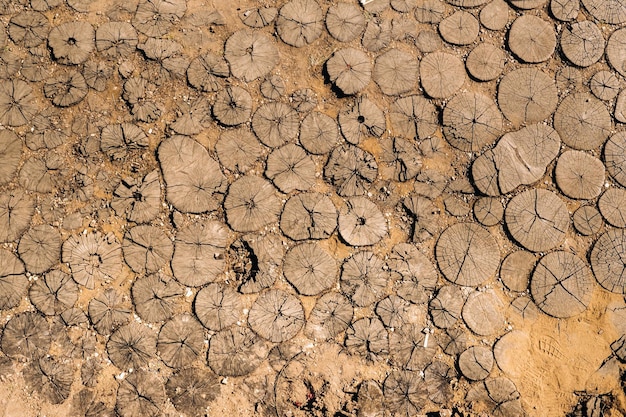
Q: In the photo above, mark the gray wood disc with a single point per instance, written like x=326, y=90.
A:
x=532, y=39
x=516, y=269
x=587, y=220
x=442, y=74
x=467, y=254
x=483, y=312
x=476, y=363
x=582, y=121
x=276, y=316
x=527, y=95
x=608, y=261
x=612, y=205
x=562, y=284
x=579, y=175
x=537, y=219
x=582, y=43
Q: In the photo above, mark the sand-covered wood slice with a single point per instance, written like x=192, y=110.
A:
x=51, y=378
x=370, y=397
x=138, y=200
x=516, y=269
x=413, y=117
x=233, y=106
x=236, y=351
x=250, y=54
x=393, y=311
x=351, y=170
x=460, y=28
x=587, y=220
x=476, y=363
x=13, y=280
x=26, y=335
x=54, y=293
x=180, y=341
x=217, y=306
x=310, y=269
x=579, y=175
x=303, y=100
x=191, y=390
x=488, y=211
x=425, y=215
x=445, y=308
x=10, y=153
x=467, y=254
x=485, y=62
x=607, y=11
x=483, y=313
x=141, y=393
x=290, y=168
x=309, y=215
x=238, y=149
x=361, y=223
x=108, y=311
x=605, y=85
x=40, y=248
x=66, y=88
x=275, y=124
x=156, y=17
x=251, y=204
x=615, y=53
x=537, y=219
x=403, y=6
x=582, y=121
x=199, y=253
x=395, y=72
x=562, y=284
x=429, y=11
x=319, y=133
x=259, y=17
x=345, y=21
x=300, y=22
x=615, y=157
x=138, y=93
x=97, y=74
x=402, y=157
x=608, y=261
x=132, y=345
x=532, y=39
x=582, y=43
x=168, y=56
x=498, y=395
x=612, y=208
x=418, y=275
x=350, y=70
x=438, y=377
x=441, y=74
x=565, y=10
x=72, y=42
x=405, y=393
x=116, y=39
x=193, y=117
x=377, y=35
x=29, y=28
x=331, y=315
x=276, y=316
x=17, y=105
x=254, y=260
x=155, y=297
x=363, y=119
x=207, y=71
x=428, y=41
x=368, y=337
x=146, y=249
x=364, y=277
x=194, y=181
x=93, y=258
x=471, y=121
x=527, y=95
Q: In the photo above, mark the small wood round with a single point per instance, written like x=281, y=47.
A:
x=604, y=85
x=442, y=74
x=587, y=220
x=460, y=28
x=582, y=121
x=532, y=39
x=485, y=62
x=579, y=175
x=527, y=95
x=612, y=205
x=582, y=43
x=516, y=269
x=495, y=15
x=488, y=211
